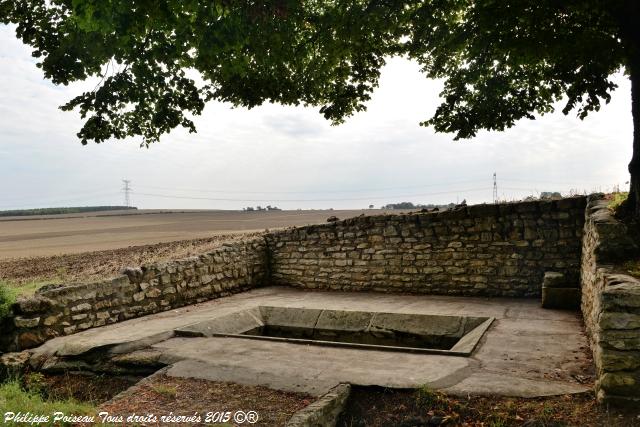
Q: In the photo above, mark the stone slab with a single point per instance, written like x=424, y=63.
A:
x=525, y=345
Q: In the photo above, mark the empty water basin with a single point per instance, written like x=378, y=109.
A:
x=427, y=333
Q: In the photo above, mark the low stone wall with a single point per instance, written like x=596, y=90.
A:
x=63, y=310
x=325, y=411
x=610, y=305
x=489, y=250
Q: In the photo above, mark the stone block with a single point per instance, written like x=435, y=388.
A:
x=620, y=339
x=14, y=364
x=23, y=322
x=153, y=293
x=30, y=339
x=621, y=291
x=51, y=320
x=133, y=274
x=81, y=307
x=102, y=315
x=482, y=210
x=615, y=320
x=554, y=280
x=611, y=360
x=620, y=383
x=35, y=304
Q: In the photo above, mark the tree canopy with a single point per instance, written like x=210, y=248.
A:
x=160, y=61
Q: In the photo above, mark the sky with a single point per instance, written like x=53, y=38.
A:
x=291, y=157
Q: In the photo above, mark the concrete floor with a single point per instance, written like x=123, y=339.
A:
x=528, y=351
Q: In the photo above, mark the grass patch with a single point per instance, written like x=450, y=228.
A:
x=429, y=398
x=26, y=289
x=616, y=200
x=165, y=390
x=35, y=382
x=30, y=288
x=14, y=398
x=7, y=298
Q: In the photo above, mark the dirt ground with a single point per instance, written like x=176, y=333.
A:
x=380, y=407
x=84, y=388
x=97, y=231
x=163, y=395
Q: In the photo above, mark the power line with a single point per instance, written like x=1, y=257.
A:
x=127, y=190
x=542, y=181
x=168, y=196
x=361, y=190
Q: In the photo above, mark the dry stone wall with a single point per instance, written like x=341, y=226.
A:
x=489, y=250
x=485, y=250
x=610, y=305
x=63, y=310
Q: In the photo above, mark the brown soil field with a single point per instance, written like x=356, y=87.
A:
x=29, y=273
x=82, y=247
x=95, y=231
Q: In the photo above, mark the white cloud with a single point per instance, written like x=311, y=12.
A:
x=274, y=152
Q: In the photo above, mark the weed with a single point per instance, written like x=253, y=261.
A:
x=165, y=390
x=427, y=398
x=498, y=421
x=616, y=200
x=7, y=298
x=26, y=289
x=13, y=398
x=547, y=413
x=34, y=382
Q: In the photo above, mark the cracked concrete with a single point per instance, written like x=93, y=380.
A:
x=528, y=351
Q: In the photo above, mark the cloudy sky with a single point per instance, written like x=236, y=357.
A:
x=292, y=157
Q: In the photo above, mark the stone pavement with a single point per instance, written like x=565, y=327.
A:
x=528, y=351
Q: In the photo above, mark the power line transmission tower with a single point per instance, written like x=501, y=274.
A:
x=495, y=189
x=126, y=188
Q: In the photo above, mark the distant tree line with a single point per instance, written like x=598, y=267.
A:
x=409, y=205
x=54, y=211
x=260, y=208
x=545, y=195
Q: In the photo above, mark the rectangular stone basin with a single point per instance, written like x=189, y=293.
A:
x=419, y=333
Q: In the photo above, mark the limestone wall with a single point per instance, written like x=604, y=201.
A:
x=63, y=310
x=492, y=250
x=610, y=304
x=485, y=250
x=489, y=250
